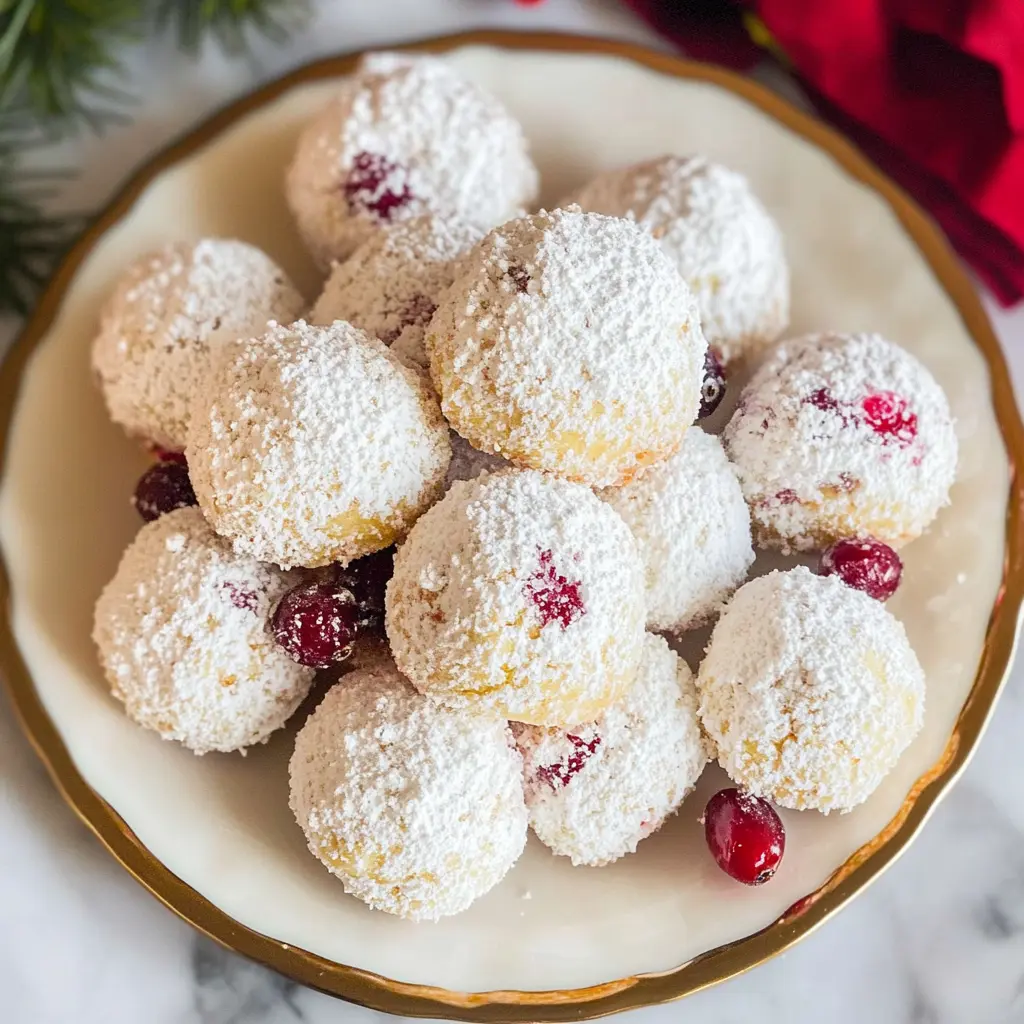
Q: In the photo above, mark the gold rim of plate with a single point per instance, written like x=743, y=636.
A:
x=719, y=964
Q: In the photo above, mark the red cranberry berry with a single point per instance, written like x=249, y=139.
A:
x=867, y=565
x=889, y=416
x=745, y=836
x=316, y=623
x=561, y=772
x=555, y=597
x=376, y=184
x=163, y=488
x=366, y=579
x=712, y=391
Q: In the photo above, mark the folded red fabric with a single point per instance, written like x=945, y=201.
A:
x=932, y=90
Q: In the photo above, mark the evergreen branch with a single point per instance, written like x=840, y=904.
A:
x=57, y=59
x=230, y=22
x=59, y=69
x=31, y=243
x=31, y=240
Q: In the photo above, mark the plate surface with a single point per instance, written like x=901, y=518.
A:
x=213, y=838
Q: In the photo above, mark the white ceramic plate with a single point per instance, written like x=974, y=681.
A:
x=221, y=824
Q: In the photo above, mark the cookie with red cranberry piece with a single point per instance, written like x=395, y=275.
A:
x=519, y=596
x=568, y=343
x=406, y=135
x=842, y=435
x=183, y=632
x=595, y=790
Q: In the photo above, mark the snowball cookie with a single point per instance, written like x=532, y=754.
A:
x=405, y=135
x=183, y=640
x=842, y=435
x=390, y=285
x=809, y=690
x=715, y=230
x=693, y=527
x=519, y=596
x=313, y=445
x=168, y=310
x=595, y=790
x=418, y=811
x=569, y=343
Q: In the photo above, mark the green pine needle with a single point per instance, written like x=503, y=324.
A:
x=230, y=21
x=59, y=69
x=31, y=241
x=30, y=245
x=57, y=56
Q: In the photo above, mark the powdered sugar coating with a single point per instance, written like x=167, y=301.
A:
x=313, y=445
x=169, y=310
x=810, y=691
x=183, y=638
x=639, y=761
x=693, y=527
x=390, y=285
x=719, y=235
x=406, y=135
x=418, y=811
x=813, y=467
x=569, y=344
x=519, y=596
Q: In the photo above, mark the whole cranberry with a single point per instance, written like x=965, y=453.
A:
x=164, y=487
x=316, y=623
x=712, y=391
x=867, y=565
x=367, y=579
x=745, y=836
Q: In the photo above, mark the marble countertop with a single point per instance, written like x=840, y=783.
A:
x=939, y=939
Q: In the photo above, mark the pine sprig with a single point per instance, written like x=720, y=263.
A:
x=230, y=22
x=59, y=69
x=31, y=241
x=57, y=57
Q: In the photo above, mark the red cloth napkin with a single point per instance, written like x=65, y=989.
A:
x=931, y=90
